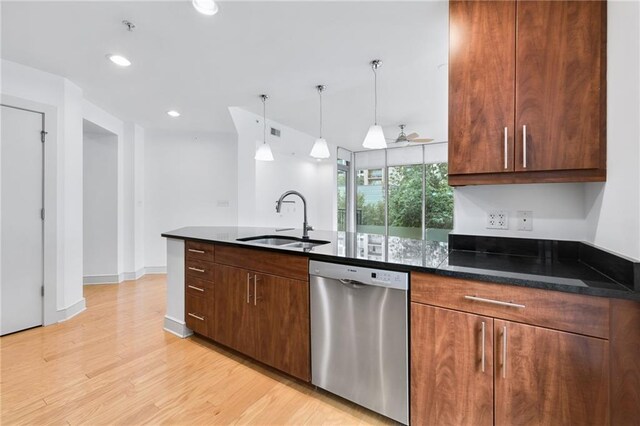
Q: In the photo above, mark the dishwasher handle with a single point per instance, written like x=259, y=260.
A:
x=352, y=283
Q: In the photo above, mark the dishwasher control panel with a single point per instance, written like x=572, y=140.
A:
x=369, y=276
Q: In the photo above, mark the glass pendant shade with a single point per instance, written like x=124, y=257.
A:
x=320, y=149
x=206, y=7
x=263, y=153
x=375, y=138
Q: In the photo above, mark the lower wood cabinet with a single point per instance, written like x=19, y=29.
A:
x=548, y=377
x=451, y=367
x=470, y=368
x=265, y=317
x=198, y=315
x=283, y=324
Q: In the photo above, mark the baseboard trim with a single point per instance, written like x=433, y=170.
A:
x=72, y=310
x=124, y=276
x=156, y=270
x=130, y=276
x=174, y=326
x=101, y=279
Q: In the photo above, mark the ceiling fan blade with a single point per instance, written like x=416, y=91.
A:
x=413, y=135
x=423, y=140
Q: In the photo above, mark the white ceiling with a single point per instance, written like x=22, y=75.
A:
x=201, y=65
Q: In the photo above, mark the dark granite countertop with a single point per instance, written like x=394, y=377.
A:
x=551, y=265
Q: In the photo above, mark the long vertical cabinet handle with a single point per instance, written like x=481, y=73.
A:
x=506, y=148
x=483, y=334
x=504, y=352
x=248, y=284
x=524, y=146
x=255, y=289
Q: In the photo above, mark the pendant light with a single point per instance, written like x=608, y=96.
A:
x=320, y=148
x=375, y=136
x=263, y=153
x=206, y=7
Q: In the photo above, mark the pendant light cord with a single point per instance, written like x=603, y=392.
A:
x=264, y=120
x=375, y=95
x=320, y=94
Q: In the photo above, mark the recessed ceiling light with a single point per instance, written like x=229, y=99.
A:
x=173, y=113
x=206, y=7
x=119, y=60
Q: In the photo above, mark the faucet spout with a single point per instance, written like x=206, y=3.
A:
x=305, y=226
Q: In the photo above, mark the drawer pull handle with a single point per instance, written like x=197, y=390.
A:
x=506, y=147
x=524, y=146
x=483, y=355
x=495, y=302
x=195, y=316
x=248, y=283
x=504, y=352
x=196, y=269
x=196, y=288
x=196, y=251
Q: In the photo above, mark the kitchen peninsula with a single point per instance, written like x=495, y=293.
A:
x=578, y=302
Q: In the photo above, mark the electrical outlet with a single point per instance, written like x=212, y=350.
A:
x=525, y=220
x=497, y=219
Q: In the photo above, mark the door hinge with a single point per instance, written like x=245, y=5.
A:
x=42, y=213
x=42, y=290
x=43, y=136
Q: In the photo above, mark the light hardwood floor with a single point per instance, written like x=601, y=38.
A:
x=114, y=364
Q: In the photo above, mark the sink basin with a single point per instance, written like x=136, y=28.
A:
x=284, y=241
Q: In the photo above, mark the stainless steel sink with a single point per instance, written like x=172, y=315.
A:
x=283, y=241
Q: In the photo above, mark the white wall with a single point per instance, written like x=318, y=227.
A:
x=558, y=209
x=614, y=207
x=260, y=183
x=190, y=180
x=138, y=198
x=100, y=200
x=63, y=194
x=63, y=101
x=607, y=214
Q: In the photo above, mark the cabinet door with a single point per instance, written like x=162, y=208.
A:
x=450, y=385
x=235, y=322
x=548, y=377
x=284, y=324
x=560, y=89
x=481, y=86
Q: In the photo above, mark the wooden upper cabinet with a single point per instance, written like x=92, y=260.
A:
x=481, y=86
x=559, y=85
x=539, y=65
x=545, y=377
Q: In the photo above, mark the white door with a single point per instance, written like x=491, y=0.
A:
x=22, y=225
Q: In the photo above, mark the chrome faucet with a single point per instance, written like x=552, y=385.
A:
x=305, y=226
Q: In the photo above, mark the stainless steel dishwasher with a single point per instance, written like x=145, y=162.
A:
x=359, y=342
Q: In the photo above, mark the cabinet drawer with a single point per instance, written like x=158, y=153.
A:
x=199, y=288
x=197, y=314
x=199, y=251
x=199, y=269
x=268, y=262
x=552, y=309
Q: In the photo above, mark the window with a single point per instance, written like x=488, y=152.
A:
x=405, y=201
x=370, y=199
x=343, y=192
x=342, y=200
x=399, y=197
x=438, y=218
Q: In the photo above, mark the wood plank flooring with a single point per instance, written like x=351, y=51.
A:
x=114, y=364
